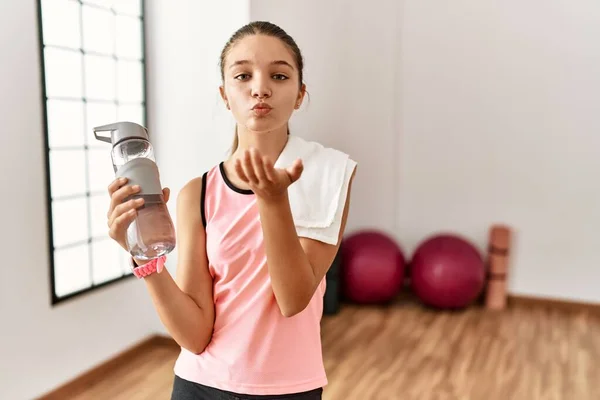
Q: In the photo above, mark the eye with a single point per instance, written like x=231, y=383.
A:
x=242, y=77
x=280, y=77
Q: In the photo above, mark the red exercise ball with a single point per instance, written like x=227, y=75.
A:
x=372, y=267
x=447, y=272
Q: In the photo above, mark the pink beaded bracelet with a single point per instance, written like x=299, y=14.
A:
x=152, y=266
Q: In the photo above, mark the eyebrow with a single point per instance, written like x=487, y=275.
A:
x=276, y=62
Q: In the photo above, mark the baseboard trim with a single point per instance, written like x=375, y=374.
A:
x=570, y=306
x=82, y=382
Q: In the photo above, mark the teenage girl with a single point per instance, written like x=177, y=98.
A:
x=246, y=304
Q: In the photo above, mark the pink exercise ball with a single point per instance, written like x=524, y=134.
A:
x=372, y=267
x=447, y=272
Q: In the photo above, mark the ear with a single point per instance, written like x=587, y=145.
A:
x=224, y=96
x=300, y=98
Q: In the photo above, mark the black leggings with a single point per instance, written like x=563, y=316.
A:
x=186, y=390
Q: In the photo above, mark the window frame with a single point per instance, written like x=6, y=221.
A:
x=93, y=287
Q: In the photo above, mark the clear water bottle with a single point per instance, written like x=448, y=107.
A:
x=152, y=233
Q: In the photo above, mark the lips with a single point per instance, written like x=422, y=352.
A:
x=261, y=109
x=262, y=106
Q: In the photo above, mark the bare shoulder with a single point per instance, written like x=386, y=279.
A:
x=190, y=192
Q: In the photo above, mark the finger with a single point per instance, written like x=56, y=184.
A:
x=121, y=223
x=120, y=195
x=258, y=166
x=115, y=185
x=296, y=170
x=248, y=169
x=269, y=169
x=124, y=208
x=240, y=170
x=166, y=194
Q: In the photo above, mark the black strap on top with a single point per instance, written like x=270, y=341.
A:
x=202, y=199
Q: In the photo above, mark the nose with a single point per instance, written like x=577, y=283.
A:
x=260, y=87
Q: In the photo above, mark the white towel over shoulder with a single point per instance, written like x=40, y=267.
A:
x=317, y=199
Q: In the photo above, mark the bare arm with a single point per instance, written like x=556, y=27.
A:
x=185, y=306
x=296, y=265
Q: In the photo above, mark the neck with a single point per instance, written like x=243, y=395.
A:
x=270, y=143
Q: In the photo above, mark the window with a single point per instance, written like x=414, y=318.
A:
x=93, y=70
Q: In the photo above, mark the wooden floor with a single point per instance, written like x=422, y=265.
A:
x=407, y=352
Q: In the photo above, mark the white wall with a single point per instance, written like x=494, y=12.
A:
x=41, y=346
x=193, y=130
x=462, y=115
x=499, y=122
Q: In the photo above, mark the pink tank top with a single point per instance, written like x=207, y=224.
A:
x=254, y=349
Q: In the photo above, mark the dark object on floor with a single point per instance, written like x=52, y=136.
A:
x=331, y=300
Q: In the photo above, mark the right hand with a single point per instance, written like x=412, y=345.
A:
x=121, y=214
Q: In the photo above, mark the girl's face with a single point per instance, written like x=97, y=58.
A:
x=261, y=85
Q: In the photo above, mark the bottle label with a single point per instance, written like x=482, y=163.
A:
x=143, y=172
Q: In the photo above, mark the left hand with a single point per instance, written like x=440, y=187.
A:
x=265, y=181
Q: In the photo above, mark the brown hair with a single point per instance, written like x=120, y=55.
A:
x=267, y=29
